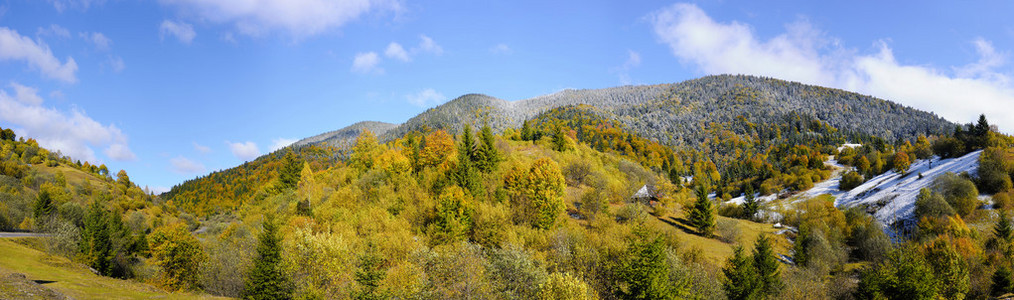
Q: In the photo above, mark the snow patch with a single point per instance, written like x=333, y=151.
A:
x=890, y=197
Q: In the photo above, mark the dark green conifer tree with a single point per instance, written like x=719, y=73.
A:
x=764, y=261
x=289, y=174
x=702, y=213
x=741, y=281
x=43, y=205
x=266, y=280
x=96, y=245
x=489, y=156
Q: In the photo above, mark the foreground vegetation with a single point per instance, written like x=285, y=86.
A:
x=541, y=211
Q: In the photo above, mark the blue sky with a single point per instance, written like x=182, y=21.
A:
x=173, y=89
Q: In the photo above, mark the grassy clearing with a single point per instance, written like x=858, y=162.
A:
x=74, y=280
x=717, y=251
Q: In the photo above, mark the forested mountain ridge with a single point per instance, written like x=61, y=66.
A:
x=673, y=114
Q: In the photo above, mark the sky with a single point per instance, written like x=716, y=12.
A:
x=170, y=90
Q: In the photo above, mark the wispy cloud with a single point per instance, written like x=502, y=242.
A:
x=803, y=53
x=299, y=18
x=396, y=51
x=202, y=149
x=280, y=143
x=14, y=46
x=245, y=151
x=426, y=98
x=183, y=165
x=367, y=63
x=182, y=31
x=501, y=48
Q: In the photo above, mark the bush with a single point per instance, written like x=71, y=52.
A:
x=632, y=212
x=930, y=204
x=850, y=180
x=959, y=192
x=728, y=230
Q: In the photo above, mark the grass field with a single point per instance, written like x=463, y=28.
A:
x=715, y=250
x=74, y=280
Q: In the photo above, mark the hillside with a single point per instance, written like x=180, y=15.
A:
x=683, y=116
x=673, y=114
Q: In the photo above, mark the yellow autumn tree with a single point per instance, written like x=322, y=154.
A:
x=438, y=150
x=365, y=151
x=538, y=191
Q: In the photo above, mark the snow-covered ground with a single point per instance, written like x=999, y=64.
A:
x=895, y=193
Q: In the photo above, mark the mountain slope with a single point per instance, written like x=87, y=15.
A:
x=674, y=113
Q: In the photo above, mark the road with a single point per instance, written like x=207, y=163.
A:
x=22, y=234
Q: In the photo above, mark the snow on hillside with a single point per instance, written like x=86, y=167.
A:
x=891, y=196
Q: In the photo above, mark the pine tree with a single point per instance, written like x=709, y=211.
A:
x=741, y=281
x=266, y=280
x=645, y=270
x=288, y=175
x=465, y=175
x=1003, y=230
x=1003, y=281
x=43, y=205
x=750, y=203
x=526, y=132
x=702, y=214
x=764, y=261
x=489, y=156
x=559, y=139
x=96, y=246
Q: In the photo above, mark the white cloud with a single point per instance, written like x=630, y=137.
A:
x=120, y=152
x=98, y=39
x=61, y=5
x=73, y=133
x=27, y=95
x=55, y=30
x=181, y=30
x=183, y=165
x=426, y=98
x=116, y=63
x=428, y=45
x=280, y=143
x=246, y=151
x=202, y=148
x=804, y=54
x=396, y=51
x=14, y=46
x=633, y=60
x=366, y=63
x=501, y=48
x=298, y=17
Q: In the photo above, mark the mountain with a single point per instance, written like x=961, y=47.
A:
x=674, y=114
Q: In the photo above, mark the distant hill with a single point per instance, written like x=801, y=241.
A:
x=674, y=114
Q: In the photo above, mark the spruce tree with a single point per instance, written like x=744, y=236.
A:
x=645, y=270
x=266, y=280
x=702, y=214
x=750, y=203
x=289, y=174
x=1003, y=281
x=764, y=261
x=559, y=139
x=1003, y=230
x=489, y=156
x=43, y=205
x=465, y=175
x=741, y=280
x=96, y=245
